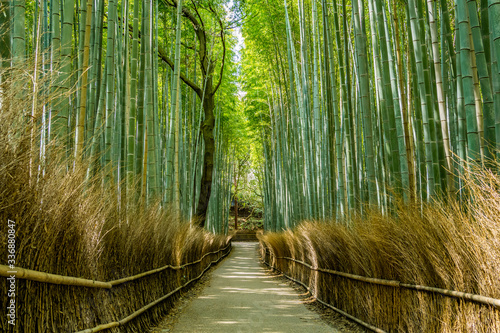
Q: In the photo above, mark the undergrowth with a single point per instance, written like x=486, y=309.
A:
x=451, y=246
x=70, y=225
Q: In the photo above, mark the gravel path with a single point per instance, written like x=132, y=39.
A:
x=242, y=297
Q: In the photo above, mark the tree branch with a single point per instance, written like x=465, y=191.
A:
x=191, y=84
x=198, y=29
x=223, y=50
x=163, y=56
x=188, y=46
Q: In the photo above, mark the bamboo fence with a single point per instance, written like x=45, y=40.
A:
x=28, y=274
x=390, y=283
x=345, y=314
x=152, y=304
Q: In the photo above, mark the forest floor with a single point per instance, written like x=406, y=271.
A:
x=241, y=295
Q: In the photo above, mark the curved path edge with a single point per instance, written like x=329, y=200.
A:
x=242, y=297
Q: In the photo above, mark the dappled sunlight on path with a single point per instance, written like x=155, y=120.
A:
x=241, y=297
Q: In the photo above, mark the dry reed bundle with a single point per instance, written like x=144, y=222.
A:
x=450, y=246
x=69, y=226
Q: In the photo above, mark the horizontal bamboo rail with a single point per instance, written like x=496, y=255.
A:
x=391, y=283
x=157, y=270
x=28, y=274
x=152, y=304
x=397, y=284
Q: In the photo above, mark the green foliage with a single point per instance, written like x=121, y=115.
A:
x=358, y=101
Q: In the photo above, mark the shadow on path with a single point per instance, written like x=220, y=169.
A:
x=241, y=297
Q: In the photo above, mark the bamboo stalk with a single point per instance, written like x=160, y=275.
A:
x=157, y=270
x=459, y=294
x=28, y=274
x=391, y=283
x=101, y=327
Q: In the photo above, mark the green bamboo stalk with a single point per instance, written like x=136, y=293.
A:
x=55, y=55
x=96, y=69
x=124, y=103
x=365, y=105
x=461, y=122
x=132, y=123
x=110, y=88
x=140, y=152
x=352, y=152
x=484, y=79
x=80, y=134
x=18, y=33
x=440, y=95
x=152, y=165
x=381, y=114
x=396, y=117
x=329, y=93
x=494, y=27
x=423, y=92
x=473, y=138
x=414, y=102
x=62, y=119
x=175, y=109
x=304, y=108
x=316, y=135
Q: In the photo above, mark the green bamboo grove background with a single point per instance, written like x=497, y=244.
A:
x=367, y=102
x=105, y=77
x=352, y=104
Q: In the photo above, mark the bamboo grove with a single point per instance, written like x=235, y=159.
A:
x=132, y=91
x=367, y=102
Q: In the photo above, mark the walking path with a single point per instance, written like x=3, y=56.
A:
x=241, y=297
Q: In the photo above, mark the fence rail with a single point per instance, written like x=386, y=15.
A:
x=391, y=283
x=397, y=284
x=345, y=314
x=161, y=299
x=29, y=274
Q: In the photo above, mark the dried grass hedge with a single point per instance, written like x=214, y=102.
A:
x=446, y=246
x=70, y=227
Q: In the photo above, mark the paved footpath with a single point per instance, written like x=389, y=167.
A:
x=241, y=297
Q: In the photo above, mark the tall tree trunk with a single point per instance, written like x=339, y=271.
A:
x=207, y=96
x=207, y=128
x=440, y=95
x=473, y=138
